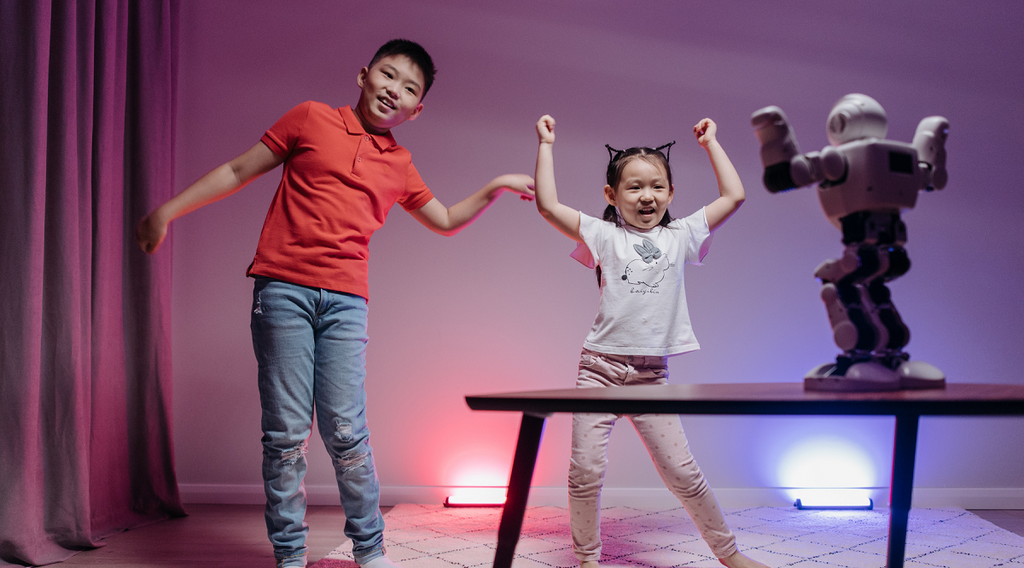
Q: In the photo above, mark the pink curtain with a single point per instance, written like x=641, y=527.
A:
x=87, y=115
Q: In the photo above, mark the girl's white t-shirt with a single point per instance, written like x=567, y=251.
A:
x=643, y=299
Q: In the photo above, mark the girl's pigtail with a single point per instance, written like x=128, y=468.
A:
x=612, y=215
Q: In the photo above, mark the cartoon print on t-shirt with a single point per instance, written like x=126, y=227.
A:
x=650, y=268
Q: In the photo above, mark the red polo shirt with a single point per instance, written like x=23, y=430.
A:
x=336, y=189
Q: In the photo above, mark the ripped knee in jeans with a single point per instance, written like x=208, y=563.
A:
x=291, y=456
x=343, y=431
x=350, y=460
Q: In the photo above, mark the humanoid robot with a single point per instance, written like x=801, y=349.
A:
x=864, y=182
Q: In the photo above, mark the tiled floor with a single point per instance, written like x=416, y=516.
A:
x=225, y=536
x=426, y=536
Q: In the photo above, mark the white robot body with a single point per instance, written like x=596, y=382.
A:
x=865, y=181
x=888, y=179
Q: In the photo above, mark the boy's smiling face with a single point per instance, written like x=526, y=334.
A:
x=390, y=93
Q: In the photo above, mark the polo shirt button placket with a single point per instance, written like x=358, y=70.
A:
x=367, y=138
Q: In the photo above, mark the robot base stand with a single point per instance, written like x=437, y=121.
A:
x=872, y=376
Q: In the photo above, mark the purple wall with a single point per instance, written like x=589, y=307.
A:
x=502, y=307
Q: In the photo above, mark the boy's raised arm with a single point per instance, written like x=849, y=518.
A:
x=448, y=221
x=730, y=188
x=562, y=217
x=219, y=183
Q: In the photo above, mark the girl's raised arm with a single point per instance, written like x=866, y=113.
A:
x=562, y=217
x=730, y=188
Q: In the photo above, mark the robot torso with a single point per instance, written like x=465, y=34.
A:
x=880, y=175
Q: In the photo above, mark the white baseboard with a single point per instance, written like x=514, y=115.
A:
x=963, y=498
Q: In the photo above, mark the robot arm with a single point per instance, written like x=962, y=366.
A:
x=784, y=166
x=930, y=143
x=778, y=147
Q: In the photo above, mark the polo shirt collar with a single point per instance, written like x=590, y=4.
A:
x=354, y=127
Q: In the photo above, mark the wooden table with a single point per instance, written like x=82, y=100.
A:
x=752, y=398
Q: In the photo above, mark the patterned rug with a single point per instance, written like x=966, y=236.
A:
x=431, y=536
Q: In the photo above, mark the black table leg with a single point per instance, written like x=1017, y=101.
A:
x=518, y=489
x=902, y=489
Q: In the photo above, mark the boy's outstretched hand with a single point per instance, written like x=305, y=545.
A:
x=521, y=184
x=705, y=131
x=150, y=233
x=546, y=129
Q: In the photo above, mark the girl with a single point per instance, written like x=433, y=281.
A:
x=639, y=252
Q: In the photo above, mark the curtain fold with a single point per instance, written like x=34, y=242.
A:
x=87, y=115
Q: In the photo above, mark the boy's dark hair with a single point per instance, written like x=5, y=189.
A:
x=617, y=160
x=415, y=53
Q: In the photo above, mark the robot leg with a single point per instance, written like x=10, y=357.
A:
x=896, y=264
x=855, y=334
x=872, y=257
x=855, y=328
x=912, y=374
x=855, y=302
x=844, y=331
x=842, y=301
x=898, y=334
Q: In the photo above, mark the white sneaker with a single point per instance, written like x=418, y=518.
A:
x=380, y=562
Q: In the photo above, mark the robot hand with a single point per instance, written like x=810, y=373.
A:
x=778, y=147
x=930, y=143
x=784, y=166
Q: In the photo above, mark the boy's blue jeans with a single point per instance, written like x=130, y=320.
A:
x=310, y=345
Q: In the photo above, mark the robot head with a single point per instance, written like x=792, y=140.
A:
x=854, y=117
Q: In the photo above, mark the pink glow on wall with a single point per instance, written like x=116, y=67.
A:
x=476, y=497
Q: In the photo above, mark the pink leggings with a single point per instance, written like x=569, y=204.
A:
x=662, y=434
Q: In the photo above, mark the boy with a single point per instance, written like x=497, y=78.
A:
x=342, y=173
